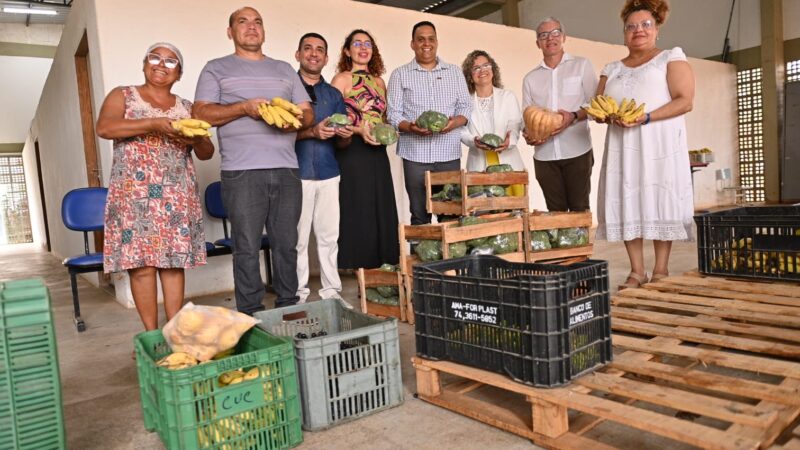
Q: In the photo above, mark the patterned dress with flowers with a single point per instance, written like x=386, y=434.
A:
x=153, y=213
x=368, y=218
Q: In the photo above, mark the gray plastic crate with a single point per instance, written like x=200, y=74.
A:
x=351, y=372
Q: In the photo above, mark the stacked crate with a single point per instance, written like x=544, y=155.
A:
x=546, y=221
x=376, y=278
x=30, y=389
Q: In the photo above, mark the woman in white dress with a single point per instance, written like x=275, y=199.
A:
x=495, y=110
x=645, y=189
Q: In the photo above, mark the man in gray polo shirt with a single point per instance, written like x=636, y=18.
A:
x=260, y=178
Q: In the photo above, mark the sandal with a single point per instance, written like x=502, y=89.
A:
x=658, y=277
x=639, y=280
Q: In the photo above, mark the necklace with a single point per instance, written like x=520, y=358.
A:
x=485, y=103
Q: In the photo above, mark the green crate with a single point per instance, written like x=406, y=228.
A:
x=189, y=409
x=31, y=414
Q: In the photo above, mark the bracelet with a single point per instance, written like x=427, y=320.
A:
x=647, y=120
x=575, y=115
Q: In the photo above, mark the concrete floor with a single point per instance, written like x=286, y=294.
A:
x=101, y=392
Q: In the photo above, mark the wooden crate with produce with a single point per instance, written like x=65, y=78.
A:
x=463, y=193
x=560, y=235
x=373, y=284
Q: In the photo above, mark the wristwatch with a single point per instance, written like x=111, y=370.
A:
x=575, y=116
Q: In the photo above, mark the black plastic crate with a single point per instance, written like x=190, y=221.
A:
x=541, y=324
x=752, y=242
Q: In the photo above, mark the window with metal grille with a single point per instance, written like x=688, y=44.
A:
x=15, y=222
x=793, y=71
x=751, y=134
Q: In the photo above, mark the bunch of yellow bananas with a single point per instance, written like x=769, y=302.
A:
x=604, y=107
x=281, y=113
x=192, y=127
x=237, y=376
x=177, y=360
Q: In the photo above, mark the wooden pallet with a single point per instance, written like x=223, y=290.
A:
x=370, y=278
x=699, y=362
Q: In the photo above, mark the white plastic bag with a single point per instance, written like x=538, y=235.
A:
x=204, y=331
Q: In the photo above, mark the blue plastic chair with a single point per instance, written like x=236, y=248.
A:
x=83, y=210
x=215, y=208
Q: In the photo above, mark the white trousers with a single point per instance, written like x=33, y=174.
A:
x=320, y=211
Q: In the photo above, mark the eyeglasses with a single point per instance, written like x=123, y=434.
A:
x=156, y=59
x=646, y=25
x=485, y=66
x=544, y=35
x=359, y=44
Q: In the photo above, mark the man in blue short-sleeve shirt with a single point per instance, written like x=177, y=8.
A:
x=260, y=177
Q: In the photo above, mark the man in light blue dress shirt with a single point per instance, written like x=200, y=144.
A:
x=427, y=84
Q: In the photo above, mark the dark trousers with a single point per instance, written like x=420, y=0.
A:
x=255, y=199
x=414, y=174
x=566, y=183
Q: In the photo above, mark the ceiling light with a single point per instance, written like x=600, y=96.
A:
x=46, y=12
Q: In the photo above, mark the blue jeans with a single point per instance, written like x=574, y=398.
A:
x=255, y=199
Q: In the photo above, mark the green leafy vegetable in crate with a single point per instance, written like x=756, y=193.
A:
x=502, y=337
x=432, y=120
x=572, y=237
x=449, y=192
x=492, y=140
x=495, y=191
x=504, y=243
x=471, y=220
x=384, y=133
x=473, y=190
x=385, y=267
x=376, y=295
x=498, y=168
x=429, y=250
x=540, y=240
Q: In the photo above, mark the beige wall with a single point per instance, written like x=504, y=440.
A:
x=198, y=29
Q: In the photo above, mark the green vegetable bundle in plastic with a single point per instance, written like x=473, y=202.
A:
x=376, y=295
x=430, y=250
x=339, y=121
x=504, y=243
x=573, y=237
x=432, y=120
x=540, y=240
x=389, y=267
x=384, y=133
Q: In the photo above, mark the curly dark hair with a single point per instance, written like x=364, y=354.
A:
x=375, y=66
x=658, y=8
x=466, y=67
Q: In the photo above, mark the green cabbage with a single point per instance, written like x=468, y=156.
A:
x=496, y=191
x=492, y=140
x=499, y=168
x=457, y=249
x=573, y=237
x=432, y=120
x=429, y=250
x=504, y=243
x=389, y=267
x=374, y=296
x=339, y=120
x=540, y=240
x=387, y=291
x=384, y=133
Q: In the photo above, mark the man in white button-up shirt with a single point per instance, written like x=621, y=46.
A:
x=561, y=82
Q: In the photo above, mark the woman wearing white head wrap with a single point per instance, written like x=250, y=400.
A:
x=154, y=221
